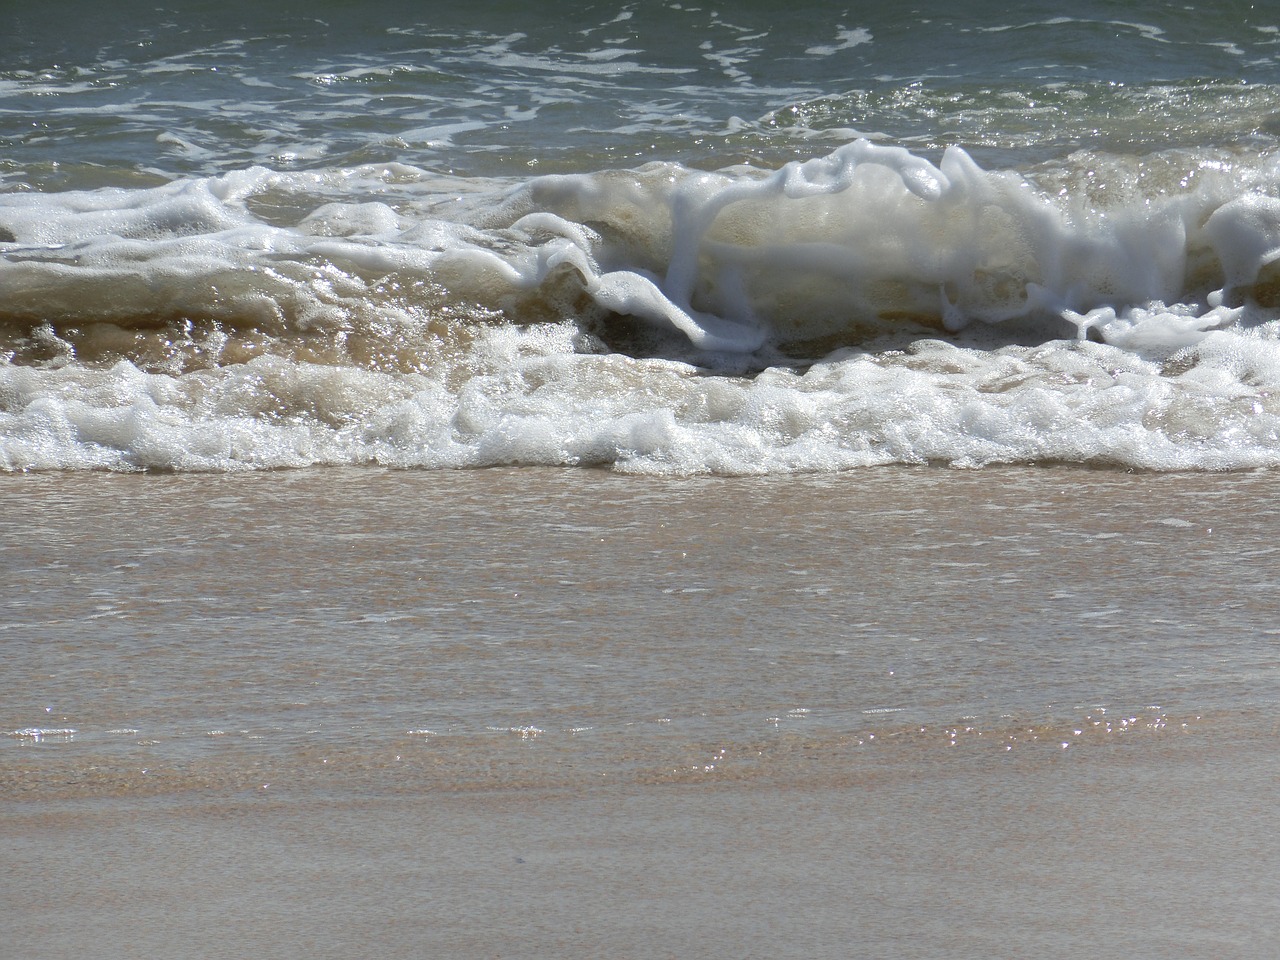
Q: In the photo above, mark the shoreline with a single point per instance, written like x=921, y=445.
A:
x=634, y=717
x=1112, y=850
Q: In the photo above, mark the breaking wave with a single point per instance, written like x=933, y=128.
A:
x=869, y=306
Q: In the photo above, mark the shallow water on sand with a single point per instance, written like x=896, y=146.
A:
x=210, y=617
x=545, y=713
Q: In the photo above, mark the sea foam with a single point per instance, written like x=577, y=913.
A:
x=870, y=306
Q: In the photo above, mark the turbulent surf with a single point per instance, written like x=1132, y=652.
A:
x=341, y=263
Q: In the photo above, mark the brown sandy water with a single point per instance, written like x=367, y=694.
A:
x=537, y=713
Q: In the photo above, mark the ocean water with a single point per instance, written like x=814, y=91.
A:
x=657, y=237
x=878, y=408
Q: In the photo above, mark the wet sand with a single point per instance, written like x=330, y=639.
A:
x=1169, y=849
x=898, y=714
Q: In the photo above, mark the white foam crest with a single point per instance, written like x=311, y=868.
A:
x=1155, y=328
x=502, y=53
x=440, y=135
x=1245, y=233
x=982, y=246
x=847, y=38
x=868, y=236
x=181, y=208
x=532, y=396
x=872, y=233
x=1175, y=281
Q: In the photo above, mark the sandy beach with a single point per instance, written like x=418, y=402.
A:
x=312, y=719
x=1163, y=846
